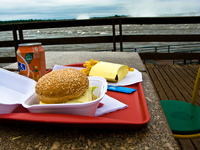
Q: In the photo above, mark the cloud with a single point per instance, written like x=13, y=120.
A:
x=48, y=9
x=71, y=9
x=154, y=8
x=83, y=16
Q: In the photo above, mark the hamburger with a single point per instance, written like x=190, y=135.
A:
x=67, y=85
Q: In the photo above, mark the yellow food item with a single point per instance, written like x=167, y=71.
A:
x=89, y=64
x=110, y=71
x=85, y=97
x=85, y=71
x=131, y=69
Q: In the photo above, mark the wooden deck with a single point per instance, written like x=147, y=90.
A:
x=176, y=82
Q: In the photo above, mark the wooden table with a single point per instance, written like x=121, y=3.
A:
x=176, y=82
x=156, y=134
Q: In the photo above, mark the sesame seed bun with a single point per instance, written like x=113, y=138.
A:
x=61, y=85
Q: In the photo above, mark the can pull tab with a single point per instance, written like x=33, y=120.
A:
x=121, y=89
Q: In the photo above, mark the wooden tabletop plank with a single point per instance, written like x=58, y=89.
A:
x=192, y=69
x=188, y=76
x=160, y=91
x=186, y=144
x=173, y=83
x=182, y=84
x=165, y=86
x=196, y=143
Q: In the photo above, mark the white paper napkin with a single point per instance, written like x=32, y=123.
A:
x=131, y=78
x=110, y=105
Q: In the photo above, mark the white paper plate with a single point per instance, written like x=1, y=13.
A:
x=131, y=78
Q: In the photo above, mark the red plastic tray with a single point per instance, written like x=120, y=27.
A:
x=133, y=117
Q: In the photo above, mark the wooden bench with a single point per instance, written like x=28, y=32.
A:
x=176, y=82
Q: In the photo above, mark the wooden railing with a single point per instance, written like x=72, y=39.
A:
x=17, y=30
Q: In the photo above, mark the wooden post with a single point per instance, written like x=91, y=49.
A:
x=120, y=34
x=114, y=41
x=155, y=49
x=15, y=37
x=21, y=38
x=168, y=48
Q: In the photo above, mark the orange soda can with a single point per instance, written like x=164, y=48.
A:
x=31, y=60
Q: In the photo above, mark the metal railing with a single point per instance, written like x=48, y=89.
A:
x=177, y=48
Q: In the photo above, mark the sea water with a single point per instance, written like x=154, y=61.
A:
x=100, y=31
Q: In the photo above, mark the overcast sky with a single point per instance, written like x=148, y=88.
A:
x=84, y=9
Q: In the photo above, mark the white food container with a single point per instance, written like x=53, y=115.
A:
x=14, y=90
x=18, y=89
